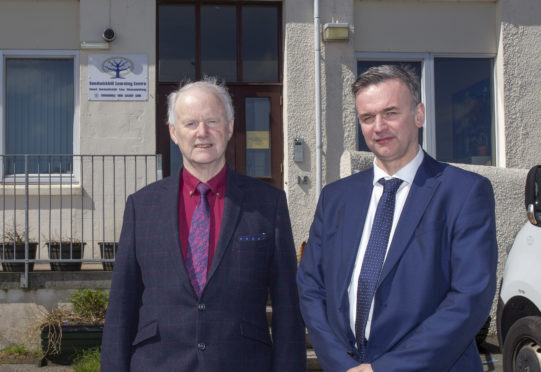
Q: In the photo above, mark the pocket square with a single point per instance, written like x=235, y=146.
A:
x=252, y=238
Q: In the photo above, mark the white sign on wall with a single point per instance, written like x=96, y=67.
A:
x=117, y=77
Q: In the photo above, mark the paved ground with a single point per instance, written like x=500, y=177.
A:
x=490, y=355
x=34, y=368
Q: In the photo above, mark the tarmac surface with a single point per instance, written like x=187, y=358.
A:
x=490, y=355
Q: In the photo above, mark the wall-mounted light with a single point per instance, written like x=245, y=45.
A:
x=335, y=31
x=94, y=45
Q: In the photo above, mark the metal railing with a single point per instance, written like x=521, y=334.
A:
x=62, y=211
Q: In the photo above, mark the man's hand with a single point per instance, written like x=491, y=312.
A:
x=361, y=368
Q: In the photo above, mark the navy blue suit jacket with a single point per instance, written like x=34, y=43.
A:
x=155, y=322
x=437, y=282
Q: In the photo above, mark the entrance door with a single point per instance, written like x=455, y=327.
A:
x=239, y=43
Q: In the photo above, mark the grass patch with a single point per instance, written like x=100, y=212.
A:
x=16, y=350
x=87, y=361
x=19, y=354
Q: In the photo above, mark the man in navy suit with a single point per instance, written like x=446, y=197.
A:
x=181, y=302
x=434, y=288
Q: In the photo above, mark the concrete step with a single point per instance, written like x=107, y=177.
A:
x=312, y=364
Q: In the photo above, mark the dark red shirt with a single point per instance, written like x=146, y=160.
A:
x=187, y=201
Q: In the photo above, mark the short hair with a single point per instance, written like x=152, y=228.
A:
x=378, y=74
x=208, y=83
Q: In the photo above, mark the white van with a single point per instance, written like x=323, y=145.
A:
x=519, y=304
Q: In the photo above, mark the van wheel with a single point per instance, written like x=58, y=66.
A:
x=522, y=346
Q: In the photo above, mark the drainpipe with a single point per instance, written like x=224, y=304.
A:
x=317, y=97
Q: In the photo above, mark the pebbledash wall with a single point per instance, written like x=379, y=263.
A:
x=507, y=30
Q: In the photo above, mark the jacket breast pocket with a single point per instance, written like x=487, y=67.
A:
x=252, y=253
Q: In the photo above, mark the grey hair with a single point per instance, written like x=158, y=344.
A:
x=208, y=83
x=378, y=74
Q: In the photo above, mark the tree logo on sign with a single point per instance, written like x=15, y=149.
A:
x=117, y=67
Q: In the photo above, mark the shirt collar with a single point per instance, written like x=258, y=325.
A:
x=216, y=183
x=406, y=173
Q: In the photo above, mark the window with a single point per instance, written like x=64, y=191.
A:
x=38, y=113
x=460, y=107
x=234, y=42
x=239, y=42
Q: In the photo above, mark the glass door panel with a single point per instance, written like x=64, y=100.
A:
x=258, y=162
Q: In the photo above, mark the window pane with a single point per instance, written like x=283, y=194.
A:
x=362, y=66
x=39, y=113
x=176, y=44
x=219, y=41
x=464, y=110
x=257, y=137
x=260, y=43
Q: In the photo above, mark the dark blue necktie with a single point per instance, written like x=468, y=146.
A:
x=373, y=258
x=198, y=241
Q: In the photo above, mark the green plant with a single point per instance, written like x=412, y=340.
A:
x=16, y=350
x=19, y=352
x=89, y=307
x=87, y=361
x=90, y=304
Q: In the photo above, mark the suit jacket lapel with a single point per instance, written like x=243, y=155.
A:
x=421, y=192
x=232, y=209
x=355, y=209
x=352, y=222
x=169, y=202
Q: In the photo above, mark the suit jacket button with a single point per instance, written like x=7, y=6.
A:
x=351, y=353
x=201, y=346
x=201, y=307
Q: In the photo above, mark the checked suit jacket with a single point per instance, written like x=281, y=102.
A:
x=155, y=321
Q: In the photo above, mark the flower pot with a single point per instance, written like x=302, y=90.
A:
x=61, y=250
x=108, y=250
x=7, y=251
x=72, y=339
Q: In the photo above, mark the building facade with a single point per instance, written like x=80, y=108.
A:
x=479, y=62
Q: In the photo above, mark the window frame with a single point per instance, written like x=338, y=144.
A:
x=239, y=5
x=42, y=54
x=428, y=92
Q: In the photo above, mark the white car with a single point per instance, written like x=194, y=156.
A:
x=519, y=304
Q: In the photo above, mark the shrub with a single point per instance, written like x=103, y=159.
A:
x=90, y=304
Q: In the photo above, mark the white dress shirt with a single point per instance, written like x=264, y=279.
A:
x=406, y=174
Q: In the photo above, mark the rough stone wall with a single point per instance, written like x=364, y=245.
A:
x=337, y=106
x=521, y=44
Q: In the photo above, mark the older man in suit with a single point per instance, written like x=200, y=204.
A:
x=199, y=254
x=400, y=268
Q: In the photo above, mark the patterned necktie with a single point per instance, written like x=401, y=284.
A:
x=198, y=241
x=373, y=259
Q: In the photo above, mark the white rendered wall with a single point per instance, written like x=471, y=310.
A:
x=119, y=127
x=520, y=51
x=31, y=24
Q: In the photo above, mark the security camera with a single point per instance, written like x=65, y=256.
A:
x=109, y=34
